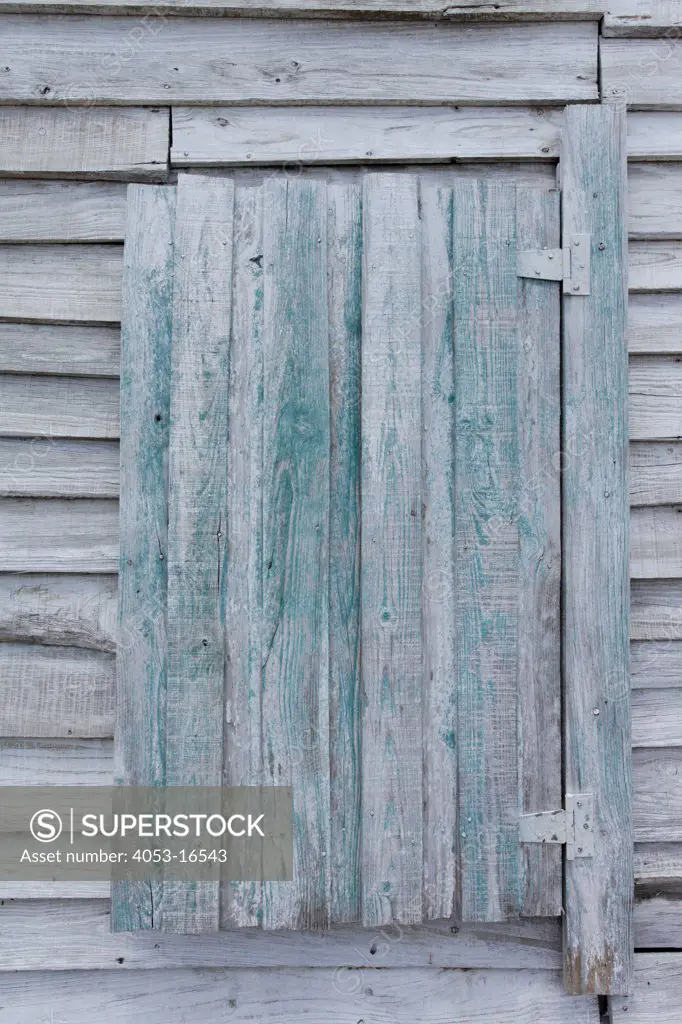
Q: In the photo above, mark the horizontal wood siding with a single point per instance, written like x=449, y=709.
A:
x=502, y=10
x=61, y=283
x=46, y=211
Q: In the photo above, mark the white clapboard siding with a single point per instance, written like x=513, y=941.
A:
x=655, y=135
x=656, y=610
x=204, y=61
x=58, y=535
x=64, y=609
x=644, y=18
x=657, y=795
x=44, y=408
x=56, y=691
x=643, y=74
x=62, y=349
x=655, y=266
x=656, y=664
x=60, y=211
x=59, y=142
x=289, y=995
x=80, y=283
x=56, y=762
x=59, y=469
x=211, y=137
x=462, y=9
x=656, y=471
x=657, y=717
x=655, y=323
x=657, y=992
x=655, y=200
x=47, y=935
x=655, y=397
x=656, y=542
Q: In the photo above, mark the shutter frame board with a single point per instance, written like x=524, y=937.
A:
x=598, y=946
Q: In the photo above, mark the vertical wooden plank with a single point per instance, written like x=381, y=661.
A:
x=539, y=649
x=197, y=552
x=241, y=902
x=296, y=441
x=145, y=409
x=599, y=891
x=345, y=707
x=438, y=620
x=487, y=467
x=391, y=552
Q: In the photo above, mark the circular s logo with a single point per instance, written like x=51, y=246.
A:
x=46, y=826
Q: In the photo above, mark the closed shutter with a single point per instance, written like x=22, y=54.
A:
x=341, y=457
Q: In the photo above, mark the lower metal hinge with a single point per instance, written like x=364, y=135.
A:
x=570, y=264
x=573, y=826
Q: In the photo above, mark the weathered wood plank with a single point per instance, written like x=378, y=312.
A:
x=56, y=762
x=65, y=609
x=657, y=864
x=658, y=921
x=296, y=465
x=45, y=408
x=655, y=610
x=655, y=323
x=59, y=469
x=654, y=135
x=657, y=717
x=657, y=991
x=643, y=18
x=197, y=552
x=655, y=200
x=46, y=211
x=564, y=10
x=84, y=143
x=657, y=795
x=487, y=460
x=58, y=535
x=289, y=994
x=70, y=351
x=79, y=283
x=56, y=691
x=391, y=572
x=656, y=664
x=655, y=397
x=47, y=935
x=641, y=74
x=331, y=135
x=598, y=893
x=656, y=543
x=289, y=61
x=655, y=267
x=656, y=473
x=145, y=419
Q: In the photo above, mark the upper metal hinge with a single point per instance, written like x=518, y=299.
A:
x=570, y=264
x=573, y=826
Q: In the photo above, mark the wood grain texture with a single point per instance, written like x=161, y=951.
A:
x=656, y=543
x=643, y=18
x=62, y=283
x=598, y=892
x=56, y=762
x=54, y=60
x=655, y=664
x=654, y=200
x=46, y=211
x=56, y=691
x=296, y=453
x=62, y=469
x=656, y=864
x=225, y=136
x=641, y=74
x=655, y=267
x=197, y=552
x=657, y=991
x=657, y=717
x=654, y=135
x=656, y=473
x=63, y=609
x=654, y=324
x=391, y=573
x=145, y=418
x=84, y=143
x=42, y=408
x=658, y=919
x=288, y=994
x=58, y=535
x=70, y=351
x=655, y=397
x=565, y=10
x=655, y=610
x=657, y=795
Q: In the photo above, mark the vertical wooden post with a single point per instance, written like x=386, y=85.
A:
x=598, y=890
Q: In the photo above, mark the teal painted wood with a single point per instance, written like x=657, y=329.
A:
x=391, y=553
x=295, y=696
x=598, y=899
x=345, y=697
x=197, y=552
x=145, y=409
x=539, y=540
x=438, y=553
x=487, y=467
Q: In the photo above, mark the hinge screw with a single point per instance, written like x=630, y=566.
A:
x=596, y=712
x=576, y=287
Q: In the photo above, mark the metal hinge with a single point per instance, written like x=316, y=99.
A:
x=571, y=264
x=574, y=826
